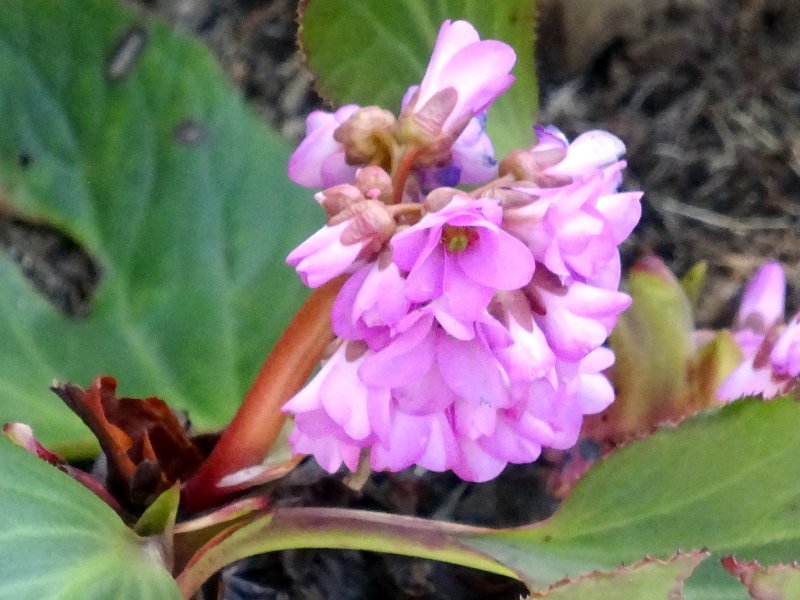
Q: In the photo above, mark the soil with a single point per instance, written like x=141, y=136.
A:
x=706, y=95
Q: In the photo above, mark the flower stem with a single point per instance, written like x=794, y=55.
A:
x=404, y=166
x=257, y=423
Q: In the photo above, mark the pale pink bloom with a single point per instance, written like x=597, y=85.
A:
x=588, y=152
x=370, y=303
x=336, y=415
x=459, y=51
x=316, y=434
x=426, y=440
x=576, y=318
x=460, y=253
x=547, y=413
x=748, y=380
x=323, y=256
x=575, y=219
x=528, y=356
x=355, y=233
x=595, y=392
x=319, y=160
x=574, y=230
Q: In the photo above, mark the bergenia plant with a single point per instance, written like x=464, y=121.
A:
x=468, y=313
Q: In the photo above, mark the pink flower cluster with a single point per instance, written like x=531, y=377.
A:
x=771, y=348
x=470, y=329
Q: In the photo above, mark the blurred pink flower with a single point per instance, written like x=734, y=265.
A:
x=771, y=350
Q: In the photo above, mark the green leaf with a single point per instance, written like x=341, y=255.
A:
x=779, y=582
x=726, y=480
x=653, y=342
x=370, y=52
x=693, y=280
x=648, y=578
x=155, y=166
x=60, y=541
x=289, y=528
x=160, y=515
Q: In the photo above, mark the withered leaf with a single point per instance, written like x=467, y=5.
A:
x=146, y=446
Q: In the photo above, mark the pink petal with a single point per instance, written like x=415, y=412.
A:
x=488, y=63
x=316, y=434
x=465, y=298
x=425, y=281
x=408, y=439
x=426, y=395
x=746, y=380
x=345, y=398
x=476, y=464
x=442, y=447
x=474, y=420
x=509, y=445
x=472, y=371
x=452, y=37
x=407, y=358
x=785, y=355
x=498, y=260
x=622, y=213
x=589, y=151
x=763, y=301
x=318, y=161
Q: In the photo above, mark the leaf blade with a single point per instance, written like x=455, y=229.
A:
x=190, y=229
x=63, y=542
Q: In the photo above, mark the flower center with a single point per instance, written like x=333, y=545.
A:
x=457, y=239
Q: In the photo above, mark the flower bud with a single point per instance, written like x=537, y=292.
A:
x=440, y=197
x=530, y=165
x=374, y=183
x=365, y=136
x=367, y=220
x=338, y=198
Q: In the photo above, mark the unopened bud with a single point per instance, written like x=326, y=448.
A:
x=424, y=125
x=366, y=136
x=529, y=165
x=374, y=183
x=440, y=197
x=367, y=219
x=338, y=198
x=511, y=198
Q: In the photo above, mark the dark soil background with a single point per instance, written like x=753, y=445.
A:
x=706, y=95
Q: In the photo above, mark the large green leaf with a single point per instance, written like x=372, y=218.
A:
x=648, y=578
x=371, y=51
x=777, y=582
x=60, y=541
x=153, y=163
x=727, y=480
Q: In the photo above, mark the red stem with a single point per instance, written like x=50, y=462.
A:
x=401, y=173
x=257, y=423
